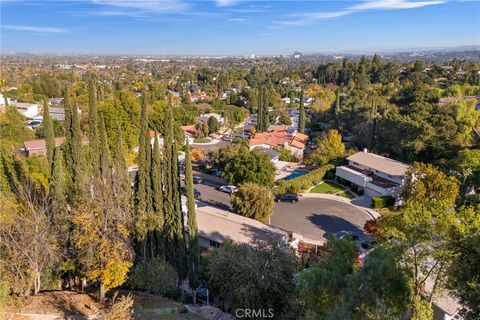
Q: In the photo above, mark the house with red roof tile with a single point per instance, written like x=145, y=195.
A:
x=281, y=137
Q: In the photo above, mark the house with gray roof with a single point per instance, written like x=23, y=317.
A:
x=374, y=174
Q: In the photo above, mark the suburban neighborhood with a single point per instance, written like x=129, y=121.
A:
x=220, y=160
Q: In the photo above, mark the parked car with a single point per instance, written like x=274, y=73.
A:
x=367, y=244
x=226, y=138
x=228, y=189
x=197, y=194
x=197, y=179
x=288, y=197
x=349, y=235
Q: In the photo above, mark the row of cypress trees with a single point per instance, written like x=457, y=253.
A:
x=160, y=228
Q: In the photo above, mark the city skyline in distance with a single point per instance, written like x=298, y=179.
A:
x=176, y=27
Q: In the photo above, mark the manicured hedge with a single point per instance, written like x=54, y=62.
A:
x=382, y=202
x=303, y=182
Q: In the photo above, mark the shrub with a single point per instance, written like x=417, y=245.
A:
x=121, y=309
x=303, y=182
x=382, y=202
x=330, y=175
x=155, y=276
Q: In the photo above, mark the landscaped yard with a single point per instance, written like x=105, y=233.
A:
x=332, y=188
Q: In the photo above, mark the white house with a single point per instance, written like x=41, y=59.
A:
x=206, y=116
x=374, y=174
x=29, y=110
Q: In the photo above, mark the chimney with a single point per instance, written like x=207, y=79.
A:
x=365, y=150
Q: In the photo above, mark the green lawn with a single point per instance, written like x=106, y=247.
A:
x=202, y=140
x=328, y=187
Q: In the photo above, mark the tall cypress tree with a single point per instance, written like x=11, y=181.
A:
x=121, y=180
x=143, y=197
x=76, y=149
x=92, y=125
x=68, y=117
x=338, y=106
x=157, y=183
x=301, y=120
x=266, y=103
x=57, y=185
x=104, y=160
x=172, y=205
x=260, y=109
x=49, y=134
x=193, y=250
x=169, y=211
x=157, y=199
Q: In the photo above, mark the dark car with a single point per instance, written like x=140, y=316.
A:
x=345, y=235
x=289, y=197
x=197, y=179
x=367, y=244
x=197, y=194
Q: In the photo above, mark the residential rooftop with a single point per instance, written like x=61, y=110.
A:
x=376, y=162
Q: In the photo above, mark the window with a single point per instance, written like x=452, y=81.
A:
x=214, y=244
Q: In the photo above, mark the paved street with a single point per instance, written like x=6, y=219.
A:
x=311, y=217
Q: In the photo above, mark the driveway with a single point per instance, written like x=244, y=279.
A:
x=311, y=217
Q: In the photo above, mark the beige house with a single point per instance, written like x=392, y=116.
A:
x=216, y=226
x=32, y=147
x=374, y=174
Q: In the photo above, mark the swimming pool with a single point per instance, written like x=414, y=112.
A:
x=295, y=174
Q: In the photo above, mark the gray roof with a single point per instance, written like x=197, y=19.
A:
x=382, y=164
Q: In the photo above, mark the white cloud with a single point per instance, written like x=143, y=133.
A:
x=393, y=5
x=37, y=29
x=145, y=6
x=307, y=18
x=237, y=19
x=225, y=3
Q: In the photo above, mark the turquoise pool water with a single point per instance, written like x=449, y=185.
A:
x=295, y=174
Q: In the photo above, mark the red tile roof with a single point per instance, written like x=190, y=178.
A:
x=189, y=129
x=280, y=137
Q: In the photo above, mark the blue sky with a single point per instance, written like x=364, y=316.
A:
x=235, y=26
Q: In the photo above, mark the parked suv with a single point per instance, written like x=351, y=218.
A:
x=289, y=197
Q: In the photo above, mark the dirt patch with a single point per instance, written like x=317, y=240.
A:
x=62, y=303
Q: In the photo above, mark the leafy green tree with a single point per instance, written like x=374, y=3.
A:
x=301, y=120
x=422, y=233
x=254, y=167
x=467, y=166
x=464, y=275
x=12, y=130
x=49, y=134
x=213, y=125
x=427, y=185
x=155, y=276
x=253, y=201
x=337, y=287
x=330, y=147
x=253, y=277
x=201, y=130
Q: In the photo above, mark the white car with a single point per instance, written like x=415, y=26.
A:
x=228, y=189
